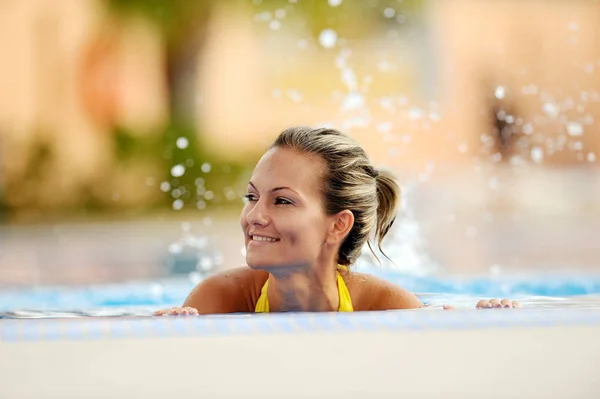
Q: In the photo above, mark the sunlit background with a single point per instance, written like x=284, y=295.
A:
x=129, y=128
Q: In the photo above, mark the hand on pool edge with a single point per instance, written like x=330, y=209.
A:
x=177, y=311
x=495, y=303
x=492, y=303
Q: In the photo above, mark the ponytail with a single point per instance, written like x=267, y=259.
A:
x=388, y=194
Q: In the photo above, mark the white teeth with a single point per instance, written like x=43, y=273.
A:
x=259, y=238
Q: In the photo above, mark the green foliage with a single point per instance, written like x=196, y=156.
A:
x=224, y=179
x=175, y=18
x=351, y=18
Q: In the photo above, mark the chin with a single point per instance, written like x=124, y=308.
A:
x=259, y=264
x=263, y=264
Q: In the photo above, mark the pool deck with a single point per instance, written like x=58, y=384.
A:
x=508, y=353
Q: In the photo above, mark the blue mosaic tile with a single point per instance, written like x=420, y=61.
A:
x=251, y=325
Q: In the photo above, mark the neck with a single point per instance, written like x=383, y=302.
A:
x=309, y=288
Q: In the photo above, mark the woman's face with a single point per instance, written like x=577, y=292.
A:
x=283, y=220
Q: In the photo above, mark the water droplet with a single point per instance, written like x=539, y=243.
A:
x=165, y=187
x=178, y=205
x=334, y=3
x=574, y=129
x=495, y=270
x=182, y=143
x=178, y=170
x=517, y=160
x=500, y=92
x=263, y=16
x=274, y=24
x=156, y=290
x=195, y=278
x=385, y=66
x=353, y=101
x=463, y=147
x=591, y=157
x=150, y=181
x=328, y=38
x=527, y=128
x=551, y=109
x=389, y=12
x=530, y=90
x=349, y=78
x=295, y=95
x=509, y=119
x=384, y=127
x=434, y=116
x=415, y=113
x=176, y=193
x=577, y=146
x=537, y=154
x=175, y=248
x=205, y=167
x=387, y=103
x=496, y=157
x=199, y=181
x=200, y=204
x=209, y=195
x=280, y=13
x=205, y=264
x=302, y=44
x=229, y=194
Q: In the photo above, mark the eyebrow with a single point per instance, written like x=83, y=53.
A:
x=273, y=189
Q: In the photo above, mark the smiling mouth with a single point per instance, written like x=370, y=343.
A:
x=263, y=239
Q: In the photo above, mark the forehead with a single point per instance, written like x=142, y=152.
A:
x=284, y=167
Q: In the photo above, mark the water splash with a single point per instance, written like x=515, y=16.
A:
x=328, y=38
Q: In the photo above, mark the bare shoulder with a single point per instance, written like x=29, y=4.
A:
x=230, y=291
x=373, y=293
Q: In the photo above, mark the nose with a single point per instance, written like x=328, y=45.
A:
x=258, y=215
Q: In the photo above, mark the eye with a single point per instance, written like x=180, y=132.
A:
x=282, y=201
x=249, y=198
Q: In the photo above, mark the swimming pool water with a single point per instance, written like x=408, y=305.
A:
x=142, y=297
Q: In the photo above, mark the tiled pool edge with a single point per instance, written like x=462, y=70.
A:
x=93, y=328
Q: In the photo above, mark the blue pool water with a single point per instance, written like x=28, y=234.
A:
x=140, y=298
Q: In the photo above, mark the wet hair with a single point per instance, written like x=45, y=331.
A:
x=349, y=182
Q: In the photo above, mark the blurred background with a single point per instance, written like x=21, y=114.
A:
x=129, y=128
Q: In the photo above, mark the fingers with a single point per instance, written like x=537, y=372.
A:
x=177, y=311
x=495, y=303
x=484, y=303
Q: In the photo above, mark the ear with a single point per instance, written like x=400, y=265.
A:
x=342, y=223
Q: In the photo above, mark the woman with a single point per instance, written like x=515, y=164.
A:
x=313, y=201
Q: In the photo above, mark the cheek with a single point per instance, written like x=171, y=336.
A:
x=306, y=231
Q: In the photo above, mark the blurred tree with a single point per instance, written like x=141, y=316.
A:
x=182, y=24
x=183, y=27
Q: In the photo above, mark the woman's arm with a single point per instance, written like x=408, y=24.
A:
x=231, y=291
x=373, y=293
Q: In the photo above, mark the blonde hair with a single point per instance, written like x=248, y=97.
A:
x=350, y=182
